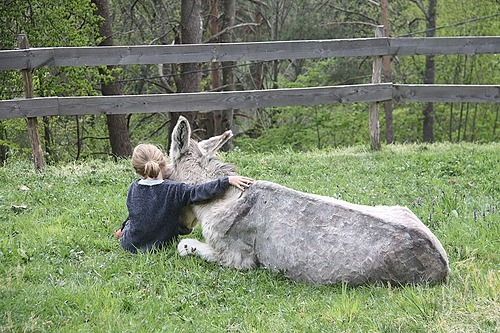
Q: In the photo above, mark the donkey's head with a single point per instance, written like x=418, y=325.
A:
x=196, y=162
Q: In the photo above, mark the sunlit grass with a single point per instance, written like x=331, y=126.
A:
x=61, y=269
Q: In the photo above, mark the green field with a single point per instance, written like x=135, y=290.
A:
x=62, y=269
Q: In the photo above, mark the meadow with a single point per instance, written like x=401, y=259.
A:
x=62, y=269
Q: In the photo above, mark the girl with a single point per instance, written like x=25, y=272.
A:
x=154, y=205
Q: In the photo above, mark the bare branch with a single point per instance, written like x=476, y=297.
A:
x=257, y=2
x=225, y=30
x=164, y=82
x=420, y=5
x=351, y=12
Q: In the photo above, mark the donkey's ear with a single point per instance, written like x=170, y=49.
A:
x=180, y=138
x=211, y=145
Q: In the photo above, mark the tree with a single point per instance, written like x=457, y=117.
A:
x=154, y=22
x=225, y=120
x=47, y=24
x=117, y=125
x=214, y=121
x=190, y=74
x=430, y=68
x=389, y=128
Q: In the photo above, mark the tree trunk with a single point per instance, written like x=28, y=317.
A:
x=374, y=117
x=190, y=76
x=258, y=66
x=227, y=37
x=228, y=67
x=47, y=136
x=389, y=128
x=213, y=120
x=430, y=72
x=117, y=125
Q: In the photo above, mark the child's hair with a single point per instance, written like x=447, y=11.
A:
x=148, y=160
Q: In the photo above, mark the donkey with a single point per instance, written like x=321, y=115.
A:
x=310, y=238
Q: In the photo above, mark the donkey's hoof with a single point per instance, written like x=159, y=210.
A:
x=185, y=248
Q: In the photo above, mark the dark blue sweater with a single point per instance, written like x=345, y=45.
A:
x=154, y=211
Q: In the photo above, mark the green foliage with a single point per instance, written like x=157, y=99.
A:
x=49, y=23
x=61, y=269
x=341, y=125
x=313, y=127
x=329, y=72
x=309, y=128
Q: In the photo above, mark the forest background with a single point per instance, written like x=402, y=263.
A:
x=160, y=22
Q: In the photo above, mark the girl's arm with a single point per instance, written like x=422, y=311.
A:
x=209, y=190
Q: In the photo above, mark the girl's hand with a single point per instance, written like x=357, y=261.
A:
x=240, y=182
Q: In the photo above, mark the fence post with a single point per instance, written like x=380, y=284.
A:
x=374, y=106
x=36, y=147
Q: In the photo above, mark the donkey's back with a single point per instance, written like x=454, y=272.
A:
x=319, y=239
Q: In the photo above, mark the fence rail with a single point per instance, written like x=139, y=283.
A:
x=208, y=101
x=256, y=51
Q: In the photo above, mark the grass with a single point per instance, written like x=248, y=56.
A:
x=62, y=270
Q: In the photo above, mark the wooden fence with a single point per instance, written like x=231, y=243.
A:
x=32, y=58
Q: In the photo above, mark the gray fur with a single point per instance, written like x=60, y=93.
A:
x=311, y=238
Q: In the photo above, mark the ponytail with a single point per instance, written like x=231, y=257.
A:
x=151, y=169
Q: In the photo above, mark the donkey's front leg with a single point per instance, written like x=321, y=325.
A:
x=189, y=246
